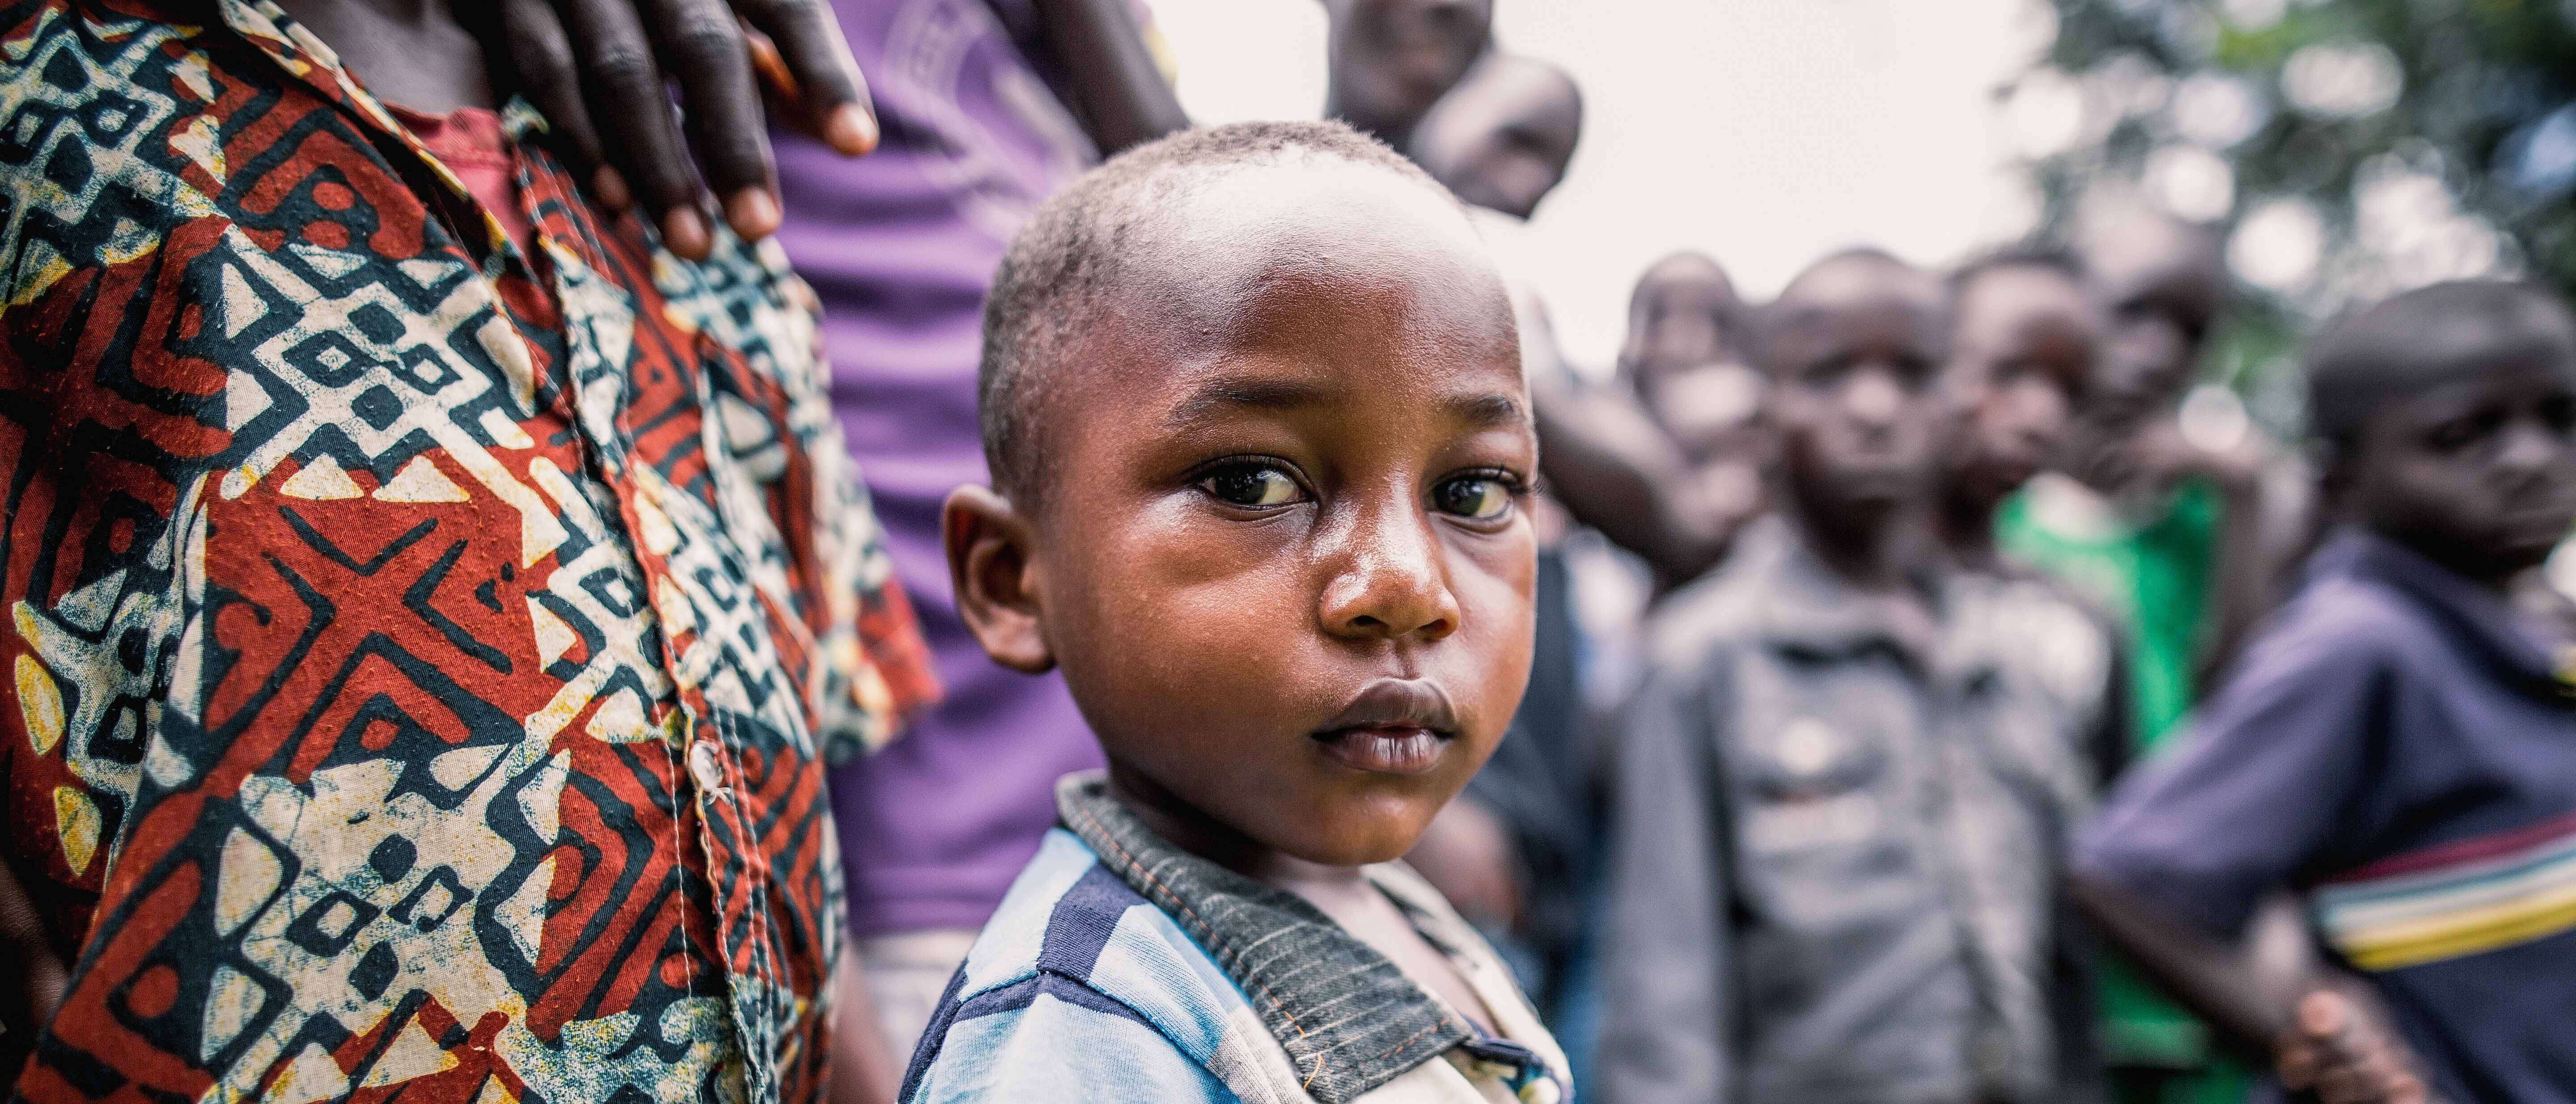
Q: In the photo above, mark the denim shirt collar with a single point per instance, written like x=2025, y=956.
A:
x=1349, y=1019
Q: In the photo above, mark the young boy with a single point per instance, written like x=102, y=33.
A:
x=2396, y=743
x=2028, y=329
x=2166, y=538
x=2161, y=531
x=1259, y=443
x=434, y=600
x=1835, y=824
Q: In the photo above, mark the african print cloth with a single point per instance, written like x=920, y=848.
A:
x=424, y=656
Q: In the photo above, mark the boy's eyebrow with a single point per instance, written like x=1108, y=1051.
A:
x=1481, y=411
x=1232, y=392
x=1488, y=410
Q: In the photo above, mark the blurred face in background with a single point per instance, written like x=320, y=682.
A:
x=1502, y=137
x=1684, y=315
x=1854, y=348
x=2024, y=352
x=1392, y=59
x=1714, y=414
x=2163, y=281
x=2478, y=473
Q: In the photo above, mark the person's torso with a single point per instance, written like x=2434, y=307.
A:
x=901, y=245
x=2453, y=886
x=427, y=653
x=2152, y=576
x=1895, y=821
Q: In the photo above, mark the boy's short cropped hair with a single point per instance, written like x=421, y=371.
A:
x=1772, y=316
x=2049, y=258
x=1085, y=242
x=2423, y=338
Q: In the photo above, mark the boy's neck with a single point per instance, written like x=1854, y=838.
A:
x=1182, y=825
x=2496, y=579
x=1967, y=529
x=1868, y=552
x=420, y=54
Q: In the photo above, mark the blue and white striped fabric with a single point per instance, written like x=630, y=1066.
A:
x=1080, y=989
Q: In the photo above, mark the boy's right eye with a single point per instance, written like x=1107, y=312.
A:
x=1251, y=486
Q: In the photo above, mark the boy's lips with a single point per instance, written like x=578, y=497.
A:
x=1392, y=726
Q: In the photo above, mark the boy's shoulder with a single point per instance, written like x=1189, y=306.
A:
x=2343, y=621
x=1106, y=975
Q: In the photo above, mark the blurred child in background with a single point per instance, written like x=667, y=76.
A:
x=1834, y=839
x=2396, y=746
x=2029, y=330
x=1685, y=359
x=2166, y=534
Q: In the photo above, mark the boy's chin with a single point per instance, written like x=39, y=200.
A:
x=1357, y=840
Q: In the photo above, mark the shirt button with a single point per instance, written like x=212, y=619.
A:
x=1991, y=1056
x=704, y=768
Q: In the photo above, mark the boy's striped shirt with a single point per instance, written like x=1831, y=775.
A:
x=1083, y=989
x=2455, y=899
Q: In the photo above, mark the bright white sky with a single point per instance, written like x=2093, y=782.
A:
x=1763, y=132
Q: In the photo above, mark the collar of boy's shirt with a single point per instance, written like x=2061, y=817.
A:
x=306, y=58
x=1806, y=607
x=2484, y=620
x=1349, y=1018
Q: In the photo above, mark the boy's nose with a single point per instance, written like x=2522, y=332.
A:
x=2530, y=446
x=1873, y=399
x=1391, y=585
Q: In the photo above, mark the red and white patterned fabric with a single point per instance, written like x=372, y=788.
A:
x=425, y=656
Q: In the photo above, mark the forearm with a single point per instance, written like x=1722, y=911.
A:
x=863, y=1071
x=2242, y=571
x=1615, y=471
x=1118, y=90
x=2203, y=973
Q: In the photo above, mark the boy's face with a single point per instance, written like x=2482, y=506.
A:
x=2479, y=474
x=1677, y=323
x=2164, y=285
x=1392, y=59
x=1853, y=351
x=2025, y=344
x=1283, y=560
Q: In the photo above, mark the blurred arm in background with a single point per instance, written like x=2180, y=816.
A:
x=1614, y=469
x=1119, y=92
x=2324, y=1032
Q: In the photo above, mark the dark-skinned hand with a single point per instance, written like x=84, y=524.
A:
x=32, y=977
x=602, y=70
x=2335, y=1052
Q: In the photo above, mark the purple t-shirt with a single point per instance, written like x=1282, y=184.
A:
x=901, y=245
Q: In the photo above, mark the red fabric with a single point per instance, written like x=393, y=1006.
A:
x=469, y=142
x=421, y=670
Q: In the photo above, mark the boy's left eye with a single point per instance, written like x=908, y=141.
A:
x=1250, y=486
x=1474, y=497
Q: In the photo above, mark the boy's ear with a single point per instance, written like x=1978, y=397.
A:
x=991, y=564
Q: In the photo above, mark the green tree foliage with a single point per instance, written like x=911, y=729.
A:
x=2352, y=147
